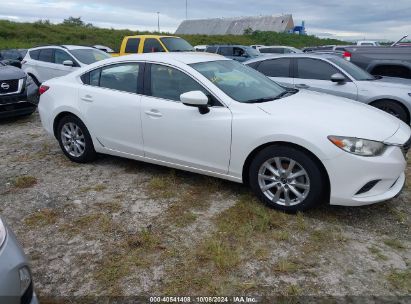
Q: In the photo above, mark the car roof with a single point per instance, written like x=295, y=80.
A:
x=152, y=36
x=66, y=46
x=299, y=55
x=181, y=57
x=229, y=45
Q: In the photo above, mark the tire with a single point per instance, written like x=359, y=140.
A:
x=309, y=182
x=79, y=148
x=393, y=108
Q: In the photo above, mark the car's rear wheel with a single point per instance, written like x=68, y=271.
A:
x=393, y=108
x=75, y=140
x=287, y=179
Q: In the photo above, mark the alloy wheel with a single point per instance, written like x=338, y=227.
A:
x=73, y=139
x=284, y=181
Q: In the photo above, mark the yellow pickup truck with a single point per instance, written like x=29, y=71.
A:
x=152, y=43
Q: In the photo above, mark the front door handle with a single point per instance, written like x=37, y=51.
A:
x=302, y=86
x=154, y=113
x=87, y=98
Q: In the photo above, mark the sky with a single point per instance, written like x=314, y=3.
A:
x=341, y=19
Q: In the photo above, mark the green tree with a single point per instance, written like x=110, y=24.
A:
x=72, y=21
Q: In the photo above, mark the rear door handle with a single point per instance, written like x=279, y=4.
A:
x=154, y=113
x=302, y=86
x=87, y=98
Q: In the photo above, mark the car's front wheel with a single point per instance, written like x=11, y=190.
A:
x=75, y=140
x=287, y=179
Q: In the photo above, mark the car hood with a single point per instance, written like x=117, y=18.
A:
x=10, y=72
x=392, y=82
x=334, y=115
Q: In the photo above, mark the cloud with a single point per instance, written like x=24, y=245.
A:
x=349, y=18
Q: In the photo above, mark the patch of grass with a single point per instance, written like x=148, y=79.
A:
x=377, y=252
x=286, y=266
x=400, y=280
x=292, y=291
x=223, y=256
x=186, y=219
x=395, y=244
x=42, y=218
x=322, y=239
x=281, y=235
x=111, y=207
x=25, y=181
x=96, y=188
x=164, y=187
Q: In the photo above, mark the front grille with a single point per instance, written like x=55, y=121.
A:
x=27, y=295
x=406, y=147
x=9, y=86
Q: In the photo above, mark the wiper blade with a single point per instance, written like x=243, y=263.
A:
x=258, y=100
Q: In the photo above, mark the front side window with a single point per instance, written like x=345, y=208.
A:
x=132, y=45
x=152, y=45
x=170, y=83
x=61, y=56
x=120, y=77
x=309, y=68
x=89, y=56
x=34, y=54
x=46, y=55
x=238, y=52
x=275, y=67
x=356, y=72
x=238, y=81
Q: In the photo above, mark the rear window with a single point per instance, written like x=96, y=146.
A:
x=174, y=44
x=132, y=45
x=272, y=50
x=211, y=49
x=225, y=51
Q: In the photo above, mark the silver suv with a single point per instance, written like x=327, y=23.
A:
x=46, y=62
x=334, y=75
x=16, y=285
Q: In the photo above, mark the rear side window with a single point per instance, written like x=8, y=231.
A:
x=238, y=52
x=276, y=67
x=34, y=54
x=315, y=69
x=132, y=45
x=225, y=51
x=152, y=45
x=46, y=55
x=120, y=77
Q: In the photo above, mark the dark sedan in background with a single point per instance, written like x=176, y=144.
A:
x=18, y=92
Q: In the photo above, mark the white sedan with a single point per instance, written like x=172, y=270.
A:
x=207, y=114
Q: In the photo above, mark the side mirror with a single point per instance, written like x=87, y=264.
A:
x=68, y=63
x=338, y=78
x=196, y=99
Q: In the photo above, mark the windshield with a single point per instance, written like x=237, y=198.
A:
x=240, y=82
x=89, y=56
x=174, y=44
x=356, y=72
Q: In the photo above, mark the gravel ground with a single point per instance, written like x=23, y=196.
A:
x=122, y=227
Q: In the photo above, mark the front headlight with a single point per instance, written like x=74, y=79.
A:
x=2, y=233
x=358, y=146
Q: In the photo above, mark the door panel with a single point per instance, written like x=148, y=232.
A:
x=315, y=75
x=176, y=133
x=112, y=107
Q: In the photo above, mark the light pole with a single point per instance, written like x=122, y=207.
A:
x=158, y=21
x=186, y=9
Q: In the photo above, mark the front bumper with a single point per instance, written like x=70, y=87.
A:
x=12, y=259
x=350, y=173
x=19, y=104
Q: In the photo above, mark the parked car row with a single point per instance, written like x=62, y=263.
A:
x=329, y=74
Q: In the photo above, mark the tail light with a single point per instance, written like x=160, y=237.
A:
x=43, y=89
x=347, y=56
